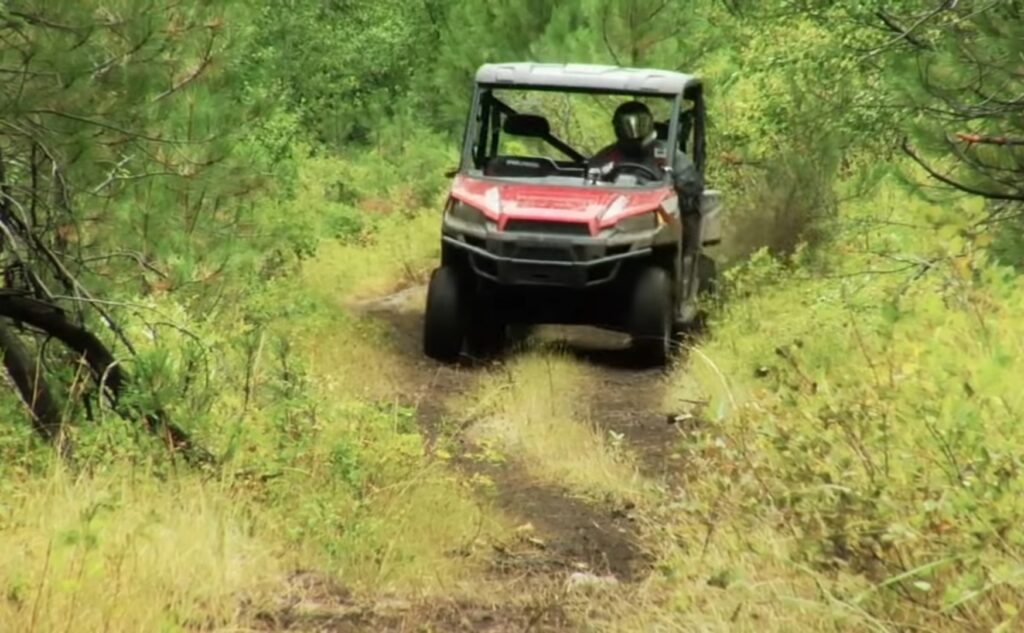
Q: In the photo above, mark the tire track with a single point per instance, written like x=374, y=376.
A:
x=575, y=534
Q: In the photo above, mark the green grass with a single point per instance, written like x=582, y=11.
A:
x=530, y=413
x=401, y=253
x=123, y=552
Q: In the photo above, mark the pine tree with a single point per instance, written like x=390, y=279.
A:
x=114, y=156
x=965, y=84
x=343, y=66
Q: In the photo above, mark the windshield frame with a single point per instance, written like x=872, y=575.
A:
x=474, y=123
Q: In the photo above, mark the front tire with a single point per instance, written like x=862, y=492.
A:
x=444, y=321
x=651, y=317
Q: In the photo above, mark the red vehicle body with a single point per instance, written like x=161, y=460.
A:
x=532, y=239
x=553, y=203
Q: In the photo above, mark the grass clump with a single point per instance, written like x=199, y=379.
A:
x=533, y=414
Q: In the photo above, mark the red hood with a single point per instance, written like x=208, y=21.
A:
x=598, y=207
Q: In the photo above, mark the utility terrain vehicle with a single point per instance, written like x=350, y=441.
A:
x=532, y=238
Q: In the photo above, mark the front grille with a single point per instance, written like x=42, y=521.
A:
x=544, y=254
x=559, y=228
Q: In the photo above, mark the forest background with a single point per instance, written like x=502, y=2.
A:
x=203, y=189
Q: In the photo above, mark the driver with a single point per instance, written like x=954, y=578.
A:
x=637, y=142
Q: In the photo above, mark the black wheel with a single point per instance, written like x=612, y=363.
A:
x=650, y=317
x=443, y=323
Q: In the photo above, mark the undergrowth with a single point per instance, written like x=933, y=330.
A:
x=856, y=434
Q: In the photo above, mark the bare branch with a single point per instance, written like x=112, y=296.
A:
x=135, y=255
x=604, y=36
x=991, y=195
x=908, y=33
x=195, y=74
x=64, y=274
x=114, y=128
x=896, y=28
x=972, y=139
x=39, y=20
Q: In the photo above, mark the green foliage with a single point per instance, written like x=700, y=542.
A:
x=873, y=412
x=344, y=67
x=232, y=173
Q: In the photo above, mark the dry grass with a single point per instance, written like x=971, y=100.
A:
x=740, y=581
x=128, y=551
x=419, y=527
x=348, y=354
x=352, y=357
x=427, y=535
x=351, y=354
x=533, y=415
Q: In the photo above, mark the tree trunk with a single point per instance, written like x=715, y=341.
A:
x=28, y=378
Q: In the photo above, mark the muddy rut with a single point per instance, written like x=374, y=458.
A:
x=569, y=534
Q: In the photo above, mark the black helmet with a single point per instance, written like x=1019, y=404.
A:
x=634, y=123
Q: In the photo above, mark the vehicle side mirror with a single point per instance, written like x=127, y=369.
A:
x=529, y=125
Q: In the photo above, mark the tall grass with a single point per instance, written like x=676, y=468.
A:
x=122, y=552
x=324, y=468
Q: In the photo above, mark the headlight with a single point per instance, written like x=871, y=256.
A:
x=642, y=222
x=465, y=213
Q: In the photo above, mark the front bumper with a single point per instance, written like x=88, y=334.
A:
x=526, y=259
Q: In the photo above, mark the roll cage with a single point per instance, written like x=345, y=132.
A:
x=490, y=117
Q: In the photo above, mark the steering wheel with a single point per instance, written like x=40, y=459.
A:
x=618, y=167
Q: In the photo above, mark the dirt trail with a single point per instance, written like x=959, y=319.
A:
x=574, y=531
x=571, y=534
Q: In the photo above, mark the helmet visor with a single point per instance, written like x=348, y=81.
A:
x=634, y=126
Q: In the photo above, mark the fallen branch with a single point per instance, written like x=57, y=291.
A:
x=28, y=379
x=105, y=369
